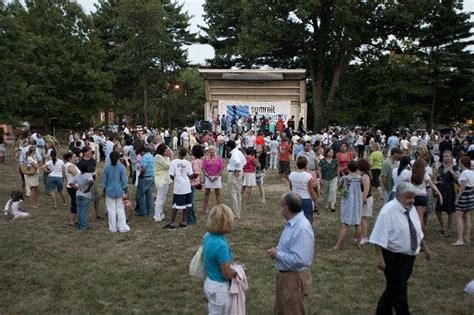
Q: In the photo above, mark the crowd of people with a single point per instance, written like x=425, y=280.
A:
x=412, y=173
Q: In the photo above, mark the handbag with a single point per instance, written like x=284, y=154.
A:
x=196, y=267
x=27, y=170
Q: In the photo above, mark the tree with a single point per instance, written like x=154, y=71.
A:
x=322, y=36
x=53, y=66
x=443, y=41
x=145, y=40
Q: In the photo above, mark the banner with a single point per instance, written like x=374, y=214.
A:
x=245, y=109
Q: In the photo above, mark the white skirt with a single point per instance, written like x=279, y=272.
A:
x=217, y=184
x=249, y=180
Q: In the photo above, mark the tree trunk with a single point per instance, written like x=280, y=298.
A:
x=145, y=102
x=106, y=119
x=317, y=88
x=432, y=111
x=341, y=67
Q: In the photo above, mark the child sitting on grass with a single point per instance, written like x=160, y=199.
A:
x=13, y=208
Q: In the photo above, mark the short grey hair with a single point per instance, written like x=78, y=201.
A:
x=405, y=187
x=292, y=201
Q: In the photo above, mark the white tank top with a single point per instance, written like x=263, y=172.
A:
x=69, y=176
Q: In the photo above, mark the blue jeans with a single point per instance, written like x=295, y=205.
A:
x=83, y=204
x=144, y=196
x=190, y=214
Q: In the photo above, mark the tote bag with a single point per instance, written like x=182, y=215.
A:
x=196, y=267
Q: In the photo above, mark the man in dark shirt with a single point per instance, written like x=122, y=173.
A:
x=91, y=164
x=445, y=145
x=336, y=145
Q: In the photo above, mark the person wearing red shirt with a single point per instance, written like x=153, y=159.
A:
x=280, y=125
x=260, y=140
x=284, y=159
x=344, y=157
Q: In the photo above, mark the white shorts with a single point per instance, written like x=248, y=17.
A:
x=217, y=184
x=249, y=180
x=368, y=207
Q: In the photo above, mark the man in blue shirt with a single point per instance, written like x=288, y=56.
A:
x=145, y=184
x=393, y=142
x=293, y=257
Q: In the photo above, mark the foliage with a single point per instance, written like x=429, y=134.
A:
x=145, y=43
x=322, y=36
x=56, y=63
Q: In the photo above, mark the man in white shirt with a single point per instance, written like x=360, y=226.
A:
x=181, y=172
x=414, y=144
x=398, y=238
x=250, y=140
x=234, y=179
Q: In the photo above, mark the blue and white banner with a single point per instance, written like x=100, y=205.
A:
x=245, y=109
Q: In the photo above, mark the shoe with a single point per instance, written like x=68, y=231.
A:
x=333, y=210
x=169, y=226
x=458, y=243
x=363, y=241
x=181, y=225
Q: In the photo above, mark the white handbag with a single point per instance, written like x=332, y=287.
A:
x=196, y=267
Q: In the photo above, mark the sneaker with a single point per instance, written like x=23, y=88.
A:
x=183, y=225
x=363, y=241
x=458, y=243
x=169, y=226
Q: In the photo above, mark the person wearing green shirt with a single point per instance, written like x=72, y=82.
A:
x=376, y=161
x=386, y=173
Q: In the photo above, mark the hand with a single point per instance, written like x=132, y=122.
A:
x=380, y=263
x=441, y=200
x=427, y=254
x=125, y=196
x=272, y=253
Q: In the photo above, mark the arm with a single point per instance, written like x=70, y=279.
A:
x=227, y=271
x=366, y=183
x=312, y=192
x=380, y=260
x=461, y=190
x=435, y=189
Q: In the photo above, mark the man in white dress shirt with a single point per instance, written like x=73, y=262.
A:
x=398, y=238
x=234, y=179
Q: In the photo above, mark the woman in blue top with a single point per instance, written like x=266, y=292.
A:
x=217, y=258
x=115, y=182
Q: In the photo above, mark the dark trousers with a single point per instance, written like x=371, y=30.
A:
x=398, y=268
x=360, y=151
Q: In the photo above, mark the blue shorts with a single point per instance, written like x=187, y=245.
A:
x=54, y=184
x=182, y=201
x=308, y=208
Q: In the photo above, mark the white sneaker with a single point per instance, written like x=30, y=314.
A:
x=363, y=241
x=458, y=243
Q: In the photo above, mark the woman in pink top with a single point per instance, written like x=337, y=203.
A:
x=196, y=163
x=344, y=158
x=212, y=168
x=250, y=169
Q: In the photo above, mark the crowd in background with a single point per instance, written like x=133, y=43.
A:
x=355, y=164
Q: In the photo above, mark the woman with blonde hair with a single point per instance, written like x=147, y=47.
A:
x=212, y=168
x=217, y=258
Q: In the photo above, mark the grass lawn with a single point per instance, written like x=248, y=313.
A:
x=48, y=267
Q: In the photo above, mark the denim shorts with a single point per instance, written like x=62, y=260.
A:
x=54, y=184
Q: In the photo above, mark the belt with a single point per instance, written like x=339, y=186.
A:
x=230, y=171
x=284, y=271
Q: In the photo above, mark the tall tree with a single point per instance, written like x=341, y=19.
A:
x=322, y=36
x=145, y=40
x=443, y=43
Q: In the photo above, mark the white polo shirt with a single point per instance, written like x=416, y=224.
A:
x=237, y=161
x=391, y=230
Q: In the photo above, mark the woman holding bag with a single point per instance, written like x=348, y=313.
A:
x=217, y=258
